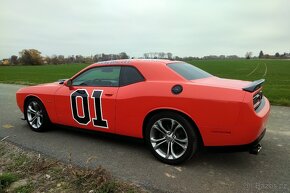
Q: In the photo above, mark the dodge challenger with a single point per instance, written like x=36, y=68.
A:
x=174, y=106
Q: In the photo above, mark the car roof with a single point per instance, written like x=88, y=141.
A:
x=151, y=69
x=134, y=62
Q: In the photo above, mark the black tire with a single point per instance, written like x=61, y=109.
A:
x=180, y=130
x=36, y=115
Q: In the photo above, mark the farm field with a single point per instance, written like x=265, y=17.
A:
x=276, y=73
x=30, y=75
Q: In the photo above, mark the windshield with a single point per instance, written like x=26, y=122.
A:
x=188, y=71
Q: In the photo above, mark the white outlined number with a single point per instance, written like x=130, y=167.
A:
x=98, y=121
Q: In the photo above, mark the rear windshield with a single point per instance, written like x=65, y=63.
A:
x=188, y=71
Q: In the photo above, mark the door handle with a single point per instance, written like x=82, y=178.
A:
x=109, y=94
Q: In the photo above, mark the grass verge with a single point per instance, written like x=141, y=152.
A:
x=25, y=172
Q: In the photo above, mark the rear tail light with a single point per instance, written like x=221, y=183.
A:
x=257, y=99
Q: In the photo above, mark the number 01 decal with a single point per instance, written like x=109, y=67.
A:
x=85, y=119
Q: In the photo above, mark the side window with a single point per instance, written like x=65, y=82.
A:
x=99, y=76
x=130, y=75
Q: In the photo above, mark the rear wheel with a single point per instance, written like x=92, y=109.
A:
x=36, y=115
x=171, y=138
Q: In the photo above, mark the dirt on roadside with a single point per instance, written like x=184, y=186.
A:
x=26, y=171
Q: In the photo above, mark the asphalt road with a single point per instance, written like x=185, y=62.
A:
x=129, y=159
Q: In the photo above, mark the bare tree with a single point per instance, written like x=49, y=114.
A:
x=123, y=55
x=60, y=59
x=13, y=59
x=248, y=55
x=30, y=57
x=261, y=54
x=54, y=59
x=80, y=59
x=161, y=55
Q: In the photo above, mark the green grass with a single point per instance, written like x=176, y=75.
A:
x=24, y=189
x=38, y=74
x=6, y=179
x=108, y=187
x=276, y=88
x=276, y=73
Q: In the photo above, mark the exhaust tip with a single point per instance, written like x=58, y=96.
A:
x=255, y=149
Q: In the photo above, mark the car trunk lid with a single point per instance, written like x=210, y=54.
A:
x=222, y=82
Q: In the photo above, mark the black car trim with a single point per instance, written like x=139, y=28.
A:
x=261, y=105
x=253, y=86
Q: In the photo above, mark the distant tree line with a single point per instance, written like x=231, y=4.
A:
x=277, y=55
x=158, y=55
x=34, y=57
x=248, y=55
x=221, y=57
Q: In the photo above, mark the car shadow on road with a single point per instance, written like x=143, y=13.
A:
x=98, y=135
x=217, y=157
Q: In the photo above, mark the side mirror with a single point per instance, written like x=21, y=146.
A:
x=68, y=83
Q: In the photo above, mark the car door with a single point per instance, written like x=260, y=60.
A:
x=91, y=99
x=131, y=102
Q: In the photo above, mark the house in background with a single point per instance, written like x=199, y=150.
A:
x=5, y=62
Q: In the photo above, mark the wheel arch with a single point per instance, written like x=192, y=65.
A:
x=187, y=117
x=27, y=98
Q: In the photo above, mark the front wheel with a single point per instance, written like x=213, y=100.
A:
x=36, y=115
x=171, y=138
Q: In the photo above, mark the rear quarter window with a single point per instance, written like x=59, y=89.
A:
x=188, y=71
x=130, y=75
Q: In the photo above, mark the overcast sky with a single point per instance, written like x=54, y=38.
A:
x=183, y=27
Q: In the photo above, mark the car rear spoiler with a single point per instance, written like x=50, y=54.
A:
x=254, y=85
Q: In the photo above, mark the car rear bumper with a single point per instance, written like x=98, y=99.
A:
x=253, y=147
x=257, y=141
x=255, y=125
x=249, y=127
